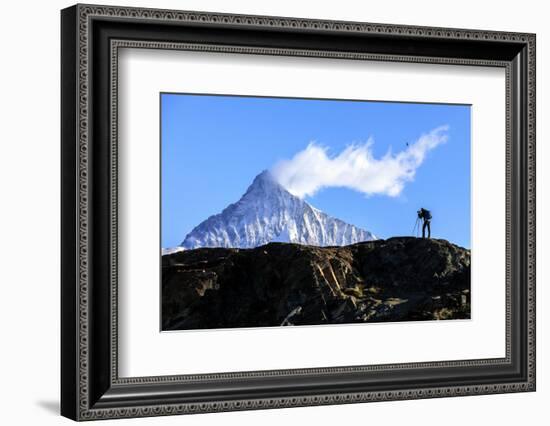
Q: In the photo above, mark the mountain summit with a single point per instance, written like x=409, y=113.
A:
x=266, y=213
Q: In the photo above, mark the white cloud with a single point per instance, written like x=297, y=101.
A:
x=355, y=167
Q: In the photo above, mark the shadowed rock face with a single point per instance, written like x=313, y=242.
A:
x=399, y=279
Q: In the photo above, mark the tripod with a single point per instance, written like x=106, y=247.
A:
x=416, y=228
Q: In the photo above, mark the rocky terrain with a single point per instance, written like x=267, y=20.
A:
x=284, y=284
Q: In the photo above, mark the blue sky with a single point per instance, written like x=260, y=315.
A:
x=212, y=147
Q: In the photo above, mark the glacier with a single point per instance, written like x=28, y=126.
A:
x=266, y=213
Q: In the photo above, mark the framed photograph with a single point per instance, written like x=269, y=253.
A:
x=263, y=212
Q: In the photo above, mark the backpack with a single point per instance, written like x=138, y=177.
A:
x=427, y=214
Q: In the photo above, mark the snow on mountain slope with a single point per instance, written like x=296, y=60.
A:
x=267, y=212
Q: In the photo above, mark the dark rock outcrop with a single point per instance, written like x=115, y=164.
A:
x=399, y=279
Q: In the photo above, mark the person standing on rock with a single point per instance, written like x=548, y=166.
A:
x=426, y=217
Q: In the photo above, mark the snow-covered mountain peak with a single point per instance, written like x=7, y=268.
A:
x=265, y=185
x=265, y=180
x=267, y=212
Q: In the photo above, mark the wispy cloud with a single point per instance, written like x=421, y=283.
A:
x=355, y=167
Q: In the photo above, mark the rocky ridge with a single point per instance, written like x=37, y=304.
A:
x=282, y=284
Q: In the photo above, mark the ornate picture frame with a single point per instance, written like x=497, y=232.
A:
x=91, y=37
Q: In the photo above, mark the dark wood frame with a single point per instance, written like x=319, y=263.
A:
x=90, y=386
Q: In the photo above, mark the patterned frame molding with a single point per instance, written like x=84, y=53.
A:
x=116, y=45
x=84, y=397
